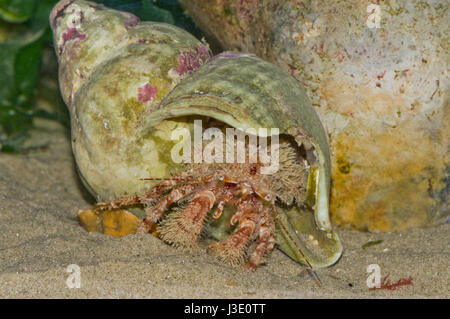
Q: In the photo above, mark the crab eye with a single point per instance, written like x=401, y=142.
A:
x=268, y=198
x=221, y=177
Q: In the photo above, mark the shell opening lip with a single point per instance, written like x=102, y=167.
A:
x=322, y=190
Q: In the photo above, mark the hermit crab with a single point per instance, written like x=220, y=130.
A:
x=136, y=92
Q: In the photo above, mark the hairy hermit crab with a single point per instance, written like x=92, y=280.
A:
x=136, y=92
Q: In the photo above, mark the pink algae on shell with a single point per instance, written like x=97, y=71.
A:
x=146, y=93
x=132, y=20
x=71, y=34
x=192, y=60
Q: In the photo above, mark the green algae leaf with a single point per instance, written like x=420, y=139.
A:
x=168, y=11
x=182, y=20
x=151, y=12
x=20, y=61
x=16, y=11
x=146, y=10
x=26, y=69
x=372, y=243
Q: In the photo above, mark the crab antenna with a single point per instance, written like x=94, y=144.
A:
x=198, y=179
x=164, y=179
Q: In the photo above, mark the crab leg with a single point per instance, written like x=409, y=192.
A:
x=266, y=242
x=129, y=200
x=158, y=190
x=153, y=193
x=184, y=228
x=229, y=191
x=119, y=202
x=232, y=249
x=155, y=213
x=243, y=208
x=167, y=184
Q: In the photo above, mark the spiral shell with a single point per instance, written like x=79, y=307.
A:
x=129, y=84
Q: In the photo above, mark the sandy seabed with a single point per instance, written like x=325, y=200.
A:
x=40, y=237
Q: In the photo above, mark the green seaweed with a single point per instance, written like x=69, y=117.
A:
x=168, y=11
x=24, y=32
x=371, y=243
x=16, y=11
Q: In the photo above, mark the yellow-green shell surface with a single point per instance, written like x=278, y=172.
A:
x=128, y=84
x=114, y=71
